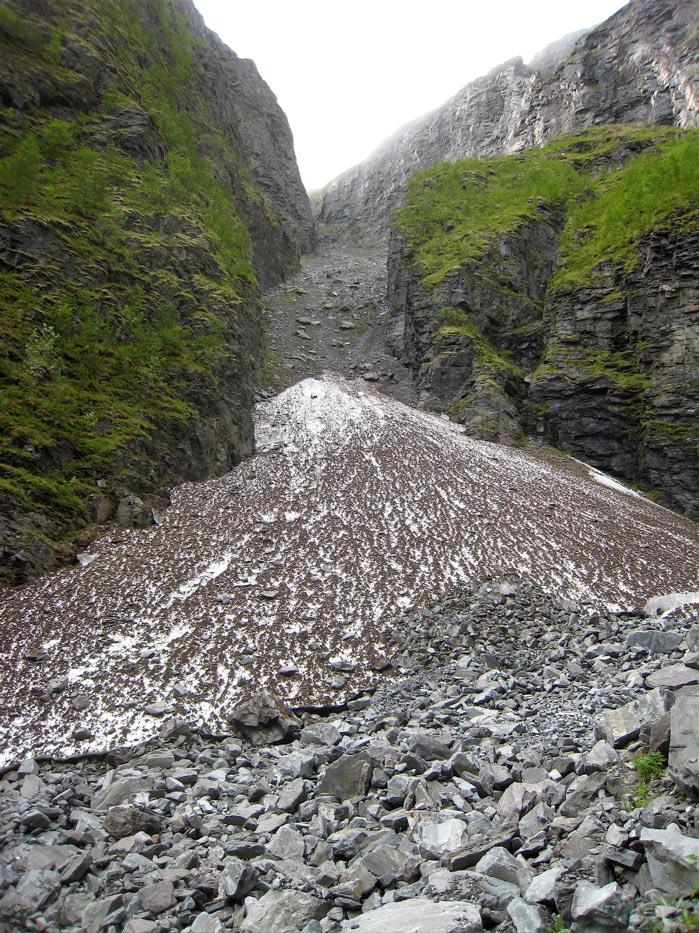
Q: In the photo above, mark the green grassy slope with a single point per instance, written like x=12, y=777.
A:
x=617, y=184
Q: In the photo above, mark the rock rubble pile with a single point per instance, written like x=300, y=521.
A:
x=535, y=768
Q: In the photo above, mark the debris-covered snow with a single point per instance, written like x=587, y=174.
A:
x=353, y=508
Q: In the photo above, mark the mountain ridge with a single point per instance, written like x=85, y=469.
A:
x=637, y=66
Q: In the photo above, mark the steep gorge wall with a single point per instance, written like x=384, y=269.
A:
x=520, y=338
x=640, y=66
x=148, y=187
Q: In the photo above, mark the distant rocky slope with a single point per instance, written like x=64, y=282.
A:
x=147, y=185
x=554, y=294
x=639, y=66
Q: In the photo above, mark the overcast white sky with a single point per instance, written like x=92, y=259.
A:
x=348, y=74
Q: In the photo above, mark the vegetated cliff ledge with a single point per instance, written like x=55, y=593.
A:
x=640, y=66
x=554, y=293
x=148, y=183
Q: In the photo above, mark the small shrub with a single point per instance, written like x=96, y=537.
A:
x=641, y=795
x=649, y=765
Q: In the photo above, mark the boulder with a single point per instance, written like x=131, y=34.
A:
x=158, y=897
x=264, y=719
x=673, y=860
x=600, y=909
x=206, y=923
x=430, y=747
x=499, y=863
x=237, y=879
x=127, y=820
x=292, y=794
x=600, y=757
x=389, y=865
x=542, y=888
x=283, y=912
x=526, y=917
x=438, y=838
x=119, y=791
x=37, y=887
x=683, y=759
x=674, y=675
x=347, y=778
x=474, y=850
x=621, y=725
x=654, y=641
x=418, y=915
x=287, y=843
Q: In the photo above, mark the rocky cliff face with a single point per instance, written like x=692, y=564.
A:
x=557, y=323
x=148, y=186
x=639, y=66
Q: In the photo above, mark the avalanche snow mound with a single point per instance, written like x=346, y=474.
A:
x=354, y=508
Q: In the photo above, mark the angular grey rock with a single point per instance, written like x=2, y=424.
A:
x=293, y=794
x=137, y=925
x=356, y=882
x=656, y=642
x=264, y=719
x=474, y=851
x=674, y=675
x=158, y=897
x=119, y=791
x=600, y=757
x=35, y=819
x=683, y=759
x=28, y=766
x=430, y=747
x=673, y=860
x=499, y=863
x=542, y=888
x=287, y=843
x=283, y=912
x=237, y=879
x=526, y=917
x=206, y=923
x=320, y=733
x=32, y=786
x=389, y=864
x=439, y=838
x=347, y=778
x=623, y=724
x=95, y=914
x=37, y=887
x=600, y=910
x=418, y=915
x=127, y=820
x=76, y=868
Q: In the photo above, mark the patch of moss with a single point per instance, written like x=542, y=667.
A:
x=487, y=357
x=620, y=368
x=672, y=430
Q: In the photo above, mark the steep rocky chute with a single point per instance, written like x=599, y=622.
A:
x=288, y=572
x=639, y=66
x=147, y=185
x=600, y=361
